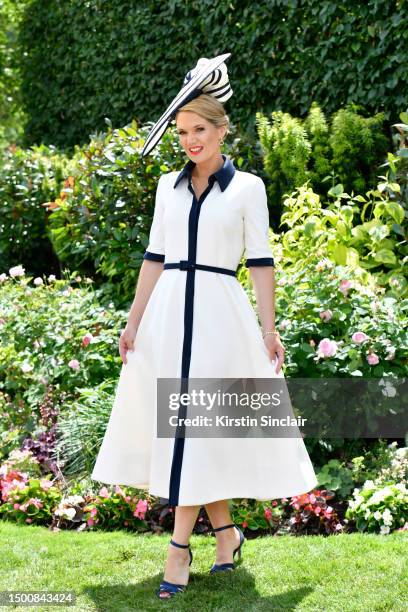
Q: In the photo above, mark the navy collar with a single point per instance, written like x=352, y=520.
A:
x=223, y=175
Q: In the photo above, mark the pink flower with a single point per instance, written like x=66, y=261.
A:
x=372, y=359
x=94, y=511
x=268, y=514
x=74, y=364
x=128, y=498
x=141, y=509
x=326, y=315
x=90, y=522
x=45, y=484
x=359, y=337
x=317, y=510
x=104, y=492
x=16, y=506
x=118, y=490
x=87, y=339
x=274, y=503
x=344, y=287
x=327, y=348
x=244, y=524
x=16, y=271
x=312, y=498
x=29, y=520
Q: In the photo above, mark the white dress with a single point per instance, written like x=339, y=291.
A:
x=200, y=324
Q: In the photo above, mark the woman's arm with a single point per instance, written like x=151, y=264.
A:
x=148, y=277
x=263, y=280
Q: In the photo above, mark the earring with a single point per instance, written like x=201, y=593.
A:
x=222, y=141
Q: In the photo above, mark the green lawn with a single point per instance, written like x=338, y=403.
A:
x=119, y=571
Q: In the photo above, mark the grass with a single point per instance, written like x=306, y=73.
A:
x=120, y=571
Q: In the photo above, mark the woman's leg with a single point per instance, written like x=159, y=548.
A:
x=227, y=539
x=178, y=559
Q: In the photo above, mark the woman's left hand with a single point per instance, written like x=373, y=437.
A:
x=276, y=349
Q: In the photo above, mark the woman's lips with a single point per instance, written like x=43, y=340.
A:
x=196, y=152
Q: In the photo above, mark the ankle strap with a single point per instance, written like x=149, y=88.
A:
x=224, y=527
x=179, y=545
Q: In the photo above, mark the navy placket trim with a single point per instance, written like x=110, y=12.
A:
x=178, y=450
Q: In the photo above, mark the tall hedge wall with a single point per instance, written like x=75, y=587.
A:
x=125, y=59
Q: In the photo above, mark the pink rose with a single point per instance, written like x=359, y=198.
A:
x=359, y=337
x=326, y=315
x=327, y=348
x=372, y=359
x=87, y=339
x=74, y=364
x=345, y=285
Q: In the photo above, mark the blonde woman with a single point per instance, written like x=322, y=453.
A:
x=191, y=318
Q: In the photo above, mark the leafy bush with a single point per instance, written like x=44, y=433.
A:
x=299, y=151
x=378, y=508
x=337, y=477
x=28, y=179
x=56, y=338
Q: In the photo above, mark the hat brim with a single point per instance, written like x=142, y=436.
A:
x=195, y=82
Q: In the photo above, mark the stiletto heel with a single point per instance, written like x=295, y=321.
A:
x=170, y=587
x=229, y=566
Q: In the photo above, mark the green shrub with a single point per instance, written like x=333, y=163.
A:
x=28, y=179
x=54, y=333
x=376, y=508
x=348, y=151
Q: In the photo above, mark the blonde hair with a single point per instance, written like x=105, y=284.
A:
x=208, y=107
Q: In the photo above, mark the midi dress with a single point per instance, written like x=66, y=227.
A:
x=199, y=323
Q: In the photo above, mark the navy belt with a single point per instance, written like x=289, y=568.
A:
x=184, y=264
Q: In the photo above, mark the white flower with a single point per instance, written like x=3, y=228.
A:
x=51, y=278
x=74, y=499
x=38, y=281
x=68, y=513
x=3, y=277
x=16, y=271
x=384, y=530
x=367, y=513
x=369, y=484
x=26, y=367
x=377, y=515
x=387, y=517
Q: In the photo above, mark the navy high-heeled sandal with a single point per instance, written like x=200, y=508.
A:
x=170, y=587
x=229, y=566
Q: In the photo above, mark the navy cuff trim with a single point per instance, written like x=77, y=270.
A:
x=153, y=256
x=260, y=261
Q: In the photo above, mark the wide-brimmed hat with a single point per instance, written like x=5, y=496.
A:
x=210, y=76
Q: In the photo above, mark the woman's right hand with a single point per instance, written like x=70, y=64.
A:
x=127, y=340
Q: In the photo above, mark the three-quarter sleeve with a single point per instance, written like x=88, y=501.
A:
x=155, y=248
x=256, y=227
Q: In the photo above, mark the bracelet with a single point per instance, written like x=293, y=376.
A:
x=270, y=332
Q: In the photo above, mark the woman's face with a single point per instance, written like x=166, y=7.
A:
x=199, y=138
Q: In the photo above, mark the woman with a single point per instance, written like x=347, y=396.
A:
x=192, y=318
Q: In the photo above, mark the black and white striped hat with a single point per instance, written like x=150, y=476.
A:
x=210, y=76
